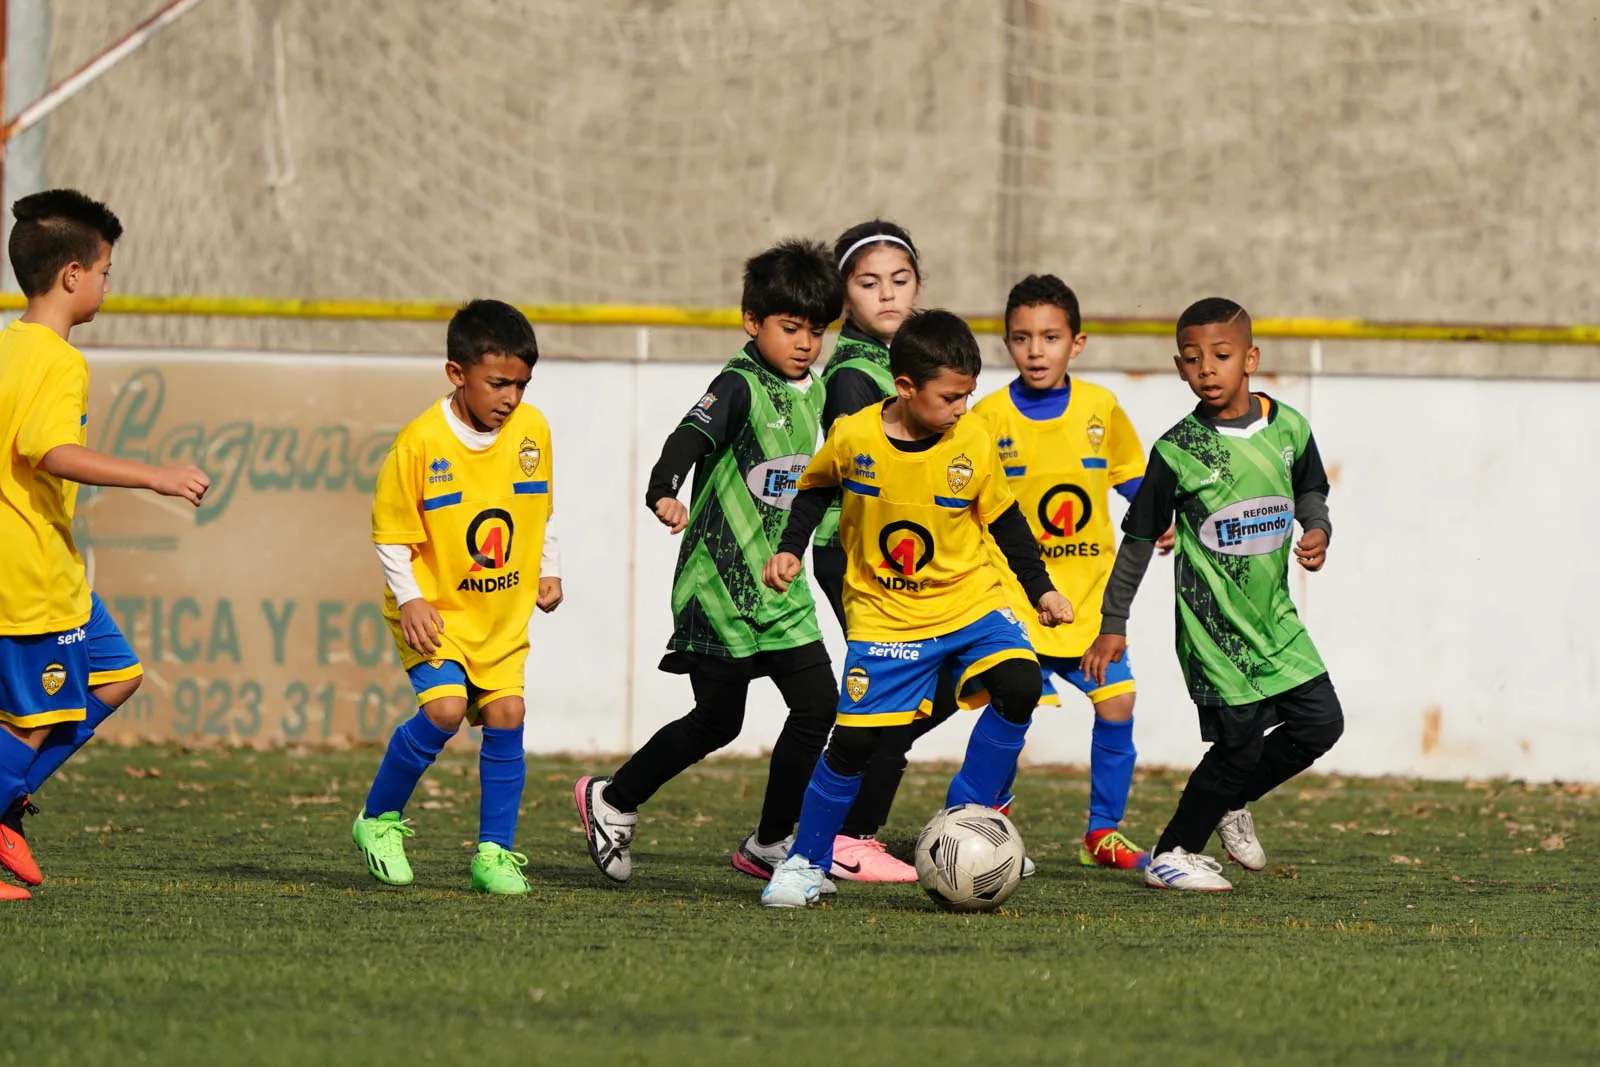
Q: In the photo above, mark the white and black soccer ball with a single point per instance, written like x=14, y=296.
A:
x=969, y=858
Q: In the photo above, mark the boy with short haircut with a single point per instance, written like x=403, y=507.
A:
x=749, y=438
x=1064, y=443
x=918, y=485
x=64, y=665
x=1238, y=472
x=459, y=518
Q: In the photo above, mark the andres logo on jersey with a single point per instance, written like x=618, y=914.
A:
x=1064, y=512
x=489, y=544
x=1255, y=527
x=907, y=547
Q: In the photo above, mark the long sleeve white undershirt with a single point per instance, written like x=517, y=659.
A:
x=396, y=559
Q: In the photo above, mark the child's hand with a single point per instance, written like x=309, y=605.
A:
x=190, y=483
x=1312, y=550
x=549, y=594
x=780, y=571
x=1165, y=542
x=1107, y=649
x=421, y=626
x=1054, y=609
x=672, y=514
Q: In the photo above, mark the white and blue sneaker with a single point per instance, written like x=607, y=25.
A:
x=796, y=883
x=759, y=861
x=1181, y=869
x=1237, y=831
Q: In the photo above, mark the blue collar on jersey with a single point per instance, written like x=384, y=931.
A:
x=1041, y=405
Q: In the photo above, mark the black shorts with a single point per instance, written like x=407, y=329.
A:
x=774, y=664
x=1237, y=725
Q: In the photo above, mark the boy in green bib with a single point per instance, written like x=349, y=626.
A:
x=749, y=438
x=1238, y=472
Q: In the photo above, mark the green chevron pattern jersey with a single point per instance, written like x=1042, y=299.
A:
x=1233, y=490
x=764, y=430
x=858, y=352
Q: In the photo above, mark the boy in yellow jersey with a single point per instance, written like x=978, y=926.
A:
x=459, y=517
x=1063, y=445
x=918, y=486
x=64, y=665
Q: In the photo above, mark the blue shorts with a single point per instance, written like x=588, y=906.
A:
x=439, y=678
x=111, y=658
x=45, y=679
x=890, y=683
x=1119, y=679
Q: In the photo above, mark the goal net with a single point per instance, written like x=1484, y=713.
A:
x=1380, y=158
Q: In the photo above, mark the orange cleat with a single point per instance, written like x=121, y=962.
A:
x=15, y=856
x=13, y=892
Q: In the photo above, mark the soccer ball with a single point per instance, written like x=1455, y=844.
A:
x=969, y=858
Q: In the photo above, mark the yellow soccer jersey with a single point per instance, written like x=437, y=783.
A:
x=44, y=403
x=475, y=521
x=912, y=527
x=1061, y=470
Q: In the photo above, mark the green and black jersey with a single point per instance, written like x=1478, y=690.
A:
x=763, y=429
x=857, y=376
x=1234, y=491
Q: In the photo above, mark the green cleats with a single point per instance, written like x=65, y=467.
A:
x=383, y=842
x=496, y=870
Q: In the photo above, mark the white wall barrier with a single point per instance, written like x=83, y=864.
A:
x=1456, y=612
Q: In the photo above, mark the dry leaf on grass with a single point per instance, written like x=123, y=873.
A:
x=1553, y=843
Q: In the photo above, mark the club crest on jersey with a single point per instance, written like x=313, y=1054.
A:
x=53, y=678
x=528, y=456
x=959, y=473
x=856, y=682
x=1288, y=460
x=1096, y=432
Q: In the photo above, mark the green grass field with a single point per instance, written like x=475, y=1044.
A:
x=208, y=907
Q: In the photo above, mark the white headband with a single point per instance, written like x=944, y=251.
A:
x=875, y=239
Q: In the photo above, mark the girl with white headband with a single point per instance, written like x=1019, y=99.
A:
x=882, y=276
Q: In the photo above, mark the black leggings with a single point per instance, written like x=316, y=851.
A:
x=1245, y=763
x=1014, y=688
x=720, y=690
x=880, y=781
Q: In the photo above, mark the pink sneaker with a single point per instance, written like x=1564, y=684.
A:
x=864, y=859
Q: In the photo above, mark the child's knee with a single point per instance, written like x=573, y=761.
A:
x=1318, y=737
x=1015, y=687
x=506, y=713
x=447, y=713
x=851, y=747
x=116, y=694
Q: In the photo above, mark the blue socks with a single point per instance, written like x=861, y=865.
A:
x=15, y=758
x=63, y=740
x=502, y=768
x=827, y=802
x=416, y=743
x=991, y=762
x=1111, y=758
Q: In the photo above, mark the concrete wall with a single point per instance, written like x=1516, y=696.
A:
x=1456, y=612
x=1414, y=159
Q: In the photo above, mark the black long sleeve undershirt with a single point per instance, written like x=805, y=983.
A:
x=685, y=447
x=1010, y=531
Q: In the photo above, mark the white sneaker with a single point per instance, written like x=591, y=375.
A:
x=1180, y=869
x=1237, y=830
x=1028, y=869
x=759, y=861
x=797, y=883
x=608, y=830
